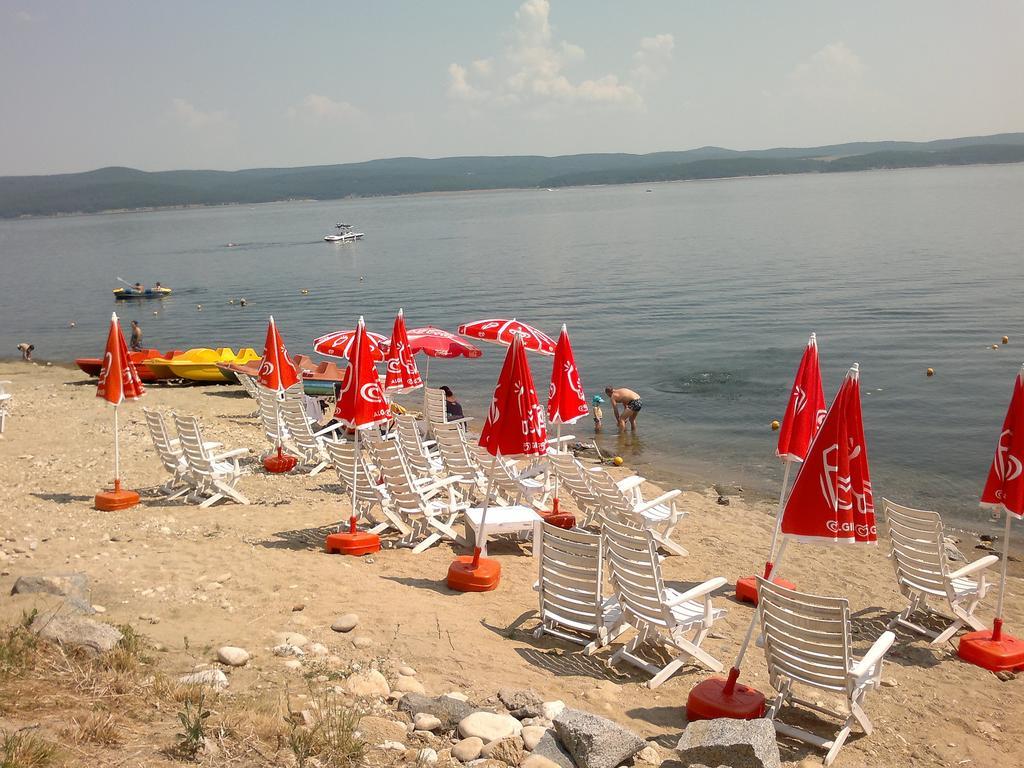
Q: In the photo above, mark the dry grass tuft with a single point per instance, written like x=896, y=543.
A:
x=18, y=648
x=95, y=728
x=19, y=749
x=331, y=737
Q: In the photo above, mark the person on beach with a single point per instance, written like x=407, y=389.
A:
x=630, y=402
x=26, y=350
x=452, y=407
x=136, y=342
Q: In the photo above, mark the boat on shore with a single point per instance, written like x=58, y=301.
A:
x=343, y=234
x=146, y=293
x=91, y=366
x=318, y=379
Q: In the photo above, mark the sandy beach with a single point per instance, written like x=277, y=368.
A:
x=192, y=580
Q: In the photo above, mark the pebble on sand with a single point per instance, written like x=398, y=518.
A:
x=362, y=642
x=468, y=749
x=232, y=656
x=345, y=623
x=211, y=677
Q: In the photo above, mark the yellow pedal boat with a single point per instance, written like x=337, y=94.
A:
x=200, y=364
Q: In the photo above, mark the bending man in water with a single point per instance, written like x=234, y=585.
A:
x=630, y=402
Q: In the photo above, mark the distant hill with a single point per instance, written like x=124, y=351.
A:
x=110, y=189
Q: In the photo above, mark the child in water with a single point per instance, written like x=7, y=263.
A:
x=598, y=414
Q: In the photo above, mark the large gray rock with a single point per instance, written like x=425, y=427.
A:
x=733, y=743
x=446, y=709
x=594, y=741
x=549, y=748
x=73, y=586
x=521, y=703
x=76, y=631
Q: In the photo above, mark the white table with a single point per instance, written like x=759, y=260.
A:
x=516, y=519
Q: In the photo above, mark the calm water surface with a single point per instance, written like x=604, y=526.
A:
x=699, y=295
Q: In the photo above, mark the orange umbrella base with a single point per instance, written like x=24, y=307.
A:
x=708, y=700
x=463, y=577
x=358, y=543
x=111, y=501
x=1006, y=653
x=746, y=588
x=559, y=519
x=279, y=463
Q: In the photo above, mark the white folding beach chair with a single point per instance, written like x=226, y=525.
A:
x=571, y=592
x=269, y=402
x=423, y=461
x=169, y=452
x=625, y=504
x=426, y=513
x=309, y=444
x=212, y=475
x=435, y=410
x=369, y=492
x=572, y=478
x=659, y=614
x=529, y=485
x=807, y=641
x=460, y=459
x=918, y=552
x=249, y=385
x=5, y=405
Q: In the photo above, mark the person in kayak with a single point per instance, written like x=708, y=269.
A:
x=136, y=342
x=139, y=288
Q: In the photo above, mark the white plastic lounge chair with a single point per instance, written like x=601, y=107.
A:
x=309, y=444
x=624, y=503
x=249, y=385
x=5, y=405
x=212, y=475
x=515, y=484
x=573, y=479
x=423, y=461
x=435, y=411
x=658, y=613
x=918, y=552
x=573, y=604
x=169, y=451
x=369, y=493
x=270, y=416
x=460, y=459
x=807, y=640
x=418, y=502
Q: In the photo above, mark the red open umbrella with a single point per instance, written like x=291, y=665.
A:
x=361, y=405
x=277, y=372
x=514, y=427
x=437, y=342
x=499, y=331
x=402, y=375
x=1004, y=491
x=831, y=502
x=339, y=344
x=119, y=381
x=803, y=416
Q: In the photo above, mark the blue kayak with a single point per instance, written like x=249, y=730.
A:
x=149, y=293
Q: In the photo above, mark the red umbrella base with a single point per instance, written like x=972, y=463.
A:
x=559, y=519
x=278, y=463
x=463, y=577
x=709, y=700
x=1006, y=653
x=746, y=588
x=119, y=498
x=358, y=543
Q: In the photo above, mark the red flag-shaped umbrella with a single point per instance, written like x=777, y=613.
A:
x=402, y=375
x=1004, y=491
x=567, y=402
x=514, y=427
x=831, y=502
x=361, y=405
x=339, y=344
x=277, y=372
x=500, y=331
x=119, y=381
x=804, y=414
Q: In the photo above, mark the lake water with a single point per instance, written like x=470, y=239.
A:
x=699, y=295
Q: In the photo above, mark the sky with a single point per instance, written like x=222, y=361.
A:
x=228, y=85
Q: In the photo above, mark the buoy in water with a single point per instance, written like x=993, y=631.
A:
x=199, y=307
x=1006, y=339
x=775, y=425
x=242, y=302
x=930, y=372
x=994, y=346
x=304, y=291
x=617, y=461
x=155, y=312
x=71, y=324
x=231, y=301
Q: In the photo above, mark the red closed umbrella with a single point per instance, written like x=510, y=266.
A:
x=514, y=427
x=499, y=331
x=277, y=372
x=119, y=381
x=361, y=405
x=339, y=344
x=402, y=375
x=567, y=401
x=1004, y=491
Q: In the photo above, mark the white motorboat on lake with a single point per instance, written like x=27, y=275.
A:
x=344, y=234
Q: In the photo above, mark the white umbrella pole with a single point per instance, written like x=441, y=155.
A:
x=997, y=625
x=481, y=534
x=558, y=449
x=117, y=455
x=778, y=519
x=355, y=480
x=426, y=372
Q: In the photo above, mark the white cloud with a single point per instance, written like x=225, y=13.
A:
x=533, y=70
x=318, y=107
x=195, y=119
x=834, y=66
